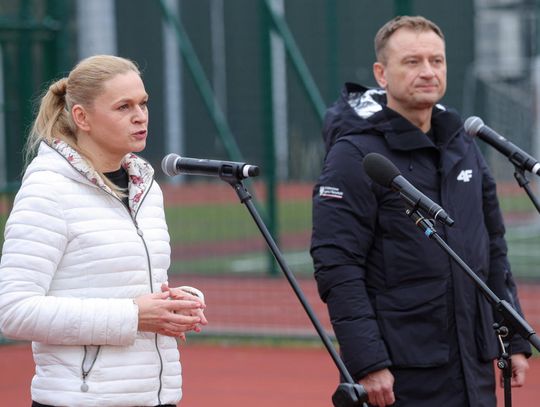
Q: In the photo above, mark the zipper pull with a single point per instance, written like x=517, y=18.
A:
x=139, y=231
x=84, y=385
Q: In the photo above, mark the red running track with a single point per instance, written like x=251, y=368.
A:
x=233, y=376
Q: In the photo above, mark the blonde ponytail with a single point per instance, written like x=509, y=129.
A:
x=52, y=121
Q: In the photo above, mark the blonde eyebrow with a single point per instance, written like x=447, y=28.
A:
x=127, y=100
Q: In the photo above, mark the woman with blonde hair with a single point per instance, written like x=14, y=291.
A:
x=83, y=273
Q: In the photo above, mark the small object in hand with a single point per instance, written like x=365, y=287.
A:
x=193, y=291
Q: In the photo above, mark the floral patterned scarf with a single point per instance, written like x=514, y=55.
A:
x=140, y=173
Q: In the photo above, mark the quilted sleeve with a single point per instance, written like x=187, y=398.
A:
x=36, y=236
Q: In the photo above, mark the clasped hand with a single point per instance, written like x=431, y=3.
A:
x=171, y=312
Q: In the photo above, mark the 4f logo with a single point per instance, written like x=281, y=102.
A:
x=465, y=175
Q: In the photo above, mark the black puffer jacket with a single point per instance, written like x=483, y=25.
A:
x=394, y=296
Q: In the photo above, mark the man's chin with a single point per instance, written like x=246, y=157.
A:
x=427, y=101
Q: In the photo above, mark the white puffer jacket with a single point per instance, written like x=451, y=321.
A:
x=74, y=258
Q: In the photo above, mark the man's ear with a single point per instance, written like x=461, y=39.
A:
x=379, y=74
x=80, y=117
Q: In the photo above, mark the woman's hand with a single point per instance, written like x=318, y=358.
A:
x=188, y=293
x=165, y=315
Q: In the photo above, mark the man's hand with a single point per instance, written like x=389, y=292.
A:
x=520, y=365
x=379, y=387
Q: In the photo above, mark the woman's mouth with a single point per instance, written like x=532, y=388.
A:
x=140, y=135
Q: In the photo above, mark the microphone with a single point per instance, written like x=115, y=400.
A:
x=173, y=164
x=474, y=126
x=385, y=173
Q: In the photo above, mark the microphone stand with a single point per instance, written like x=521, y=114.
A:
x=349, y=393
x=519, y=175
x=512, y=322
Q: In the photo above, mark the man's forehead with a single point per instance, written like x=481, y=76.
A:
x=412, y=41
x=409, y=34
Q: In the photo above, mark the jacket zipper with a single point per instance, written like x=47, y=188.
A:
x=141, y=234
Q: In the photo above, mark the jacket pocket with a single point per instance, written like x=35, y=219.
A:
x=414, y=323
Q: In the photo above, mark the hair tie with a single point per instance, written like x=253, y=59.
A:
x=59, y=88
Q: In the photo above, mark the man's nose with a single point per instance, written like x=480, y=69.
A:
x=427, y=69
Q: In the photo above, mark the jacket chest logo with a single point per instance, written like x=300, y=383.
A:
x=464, y=176
x=330, y=192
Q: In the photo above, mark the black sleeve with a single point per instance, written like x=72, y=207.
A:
x=500, y=279
x=344, y=219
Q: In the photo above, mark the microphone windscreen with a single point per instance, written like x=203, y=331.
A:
x=380, y=169
x=168, y=164
x=472, y=125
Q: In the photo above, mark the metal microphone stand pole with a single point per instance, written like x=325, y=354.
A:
x=348, y=394
x=504, y=363
x=519, y=175
x=512, y=321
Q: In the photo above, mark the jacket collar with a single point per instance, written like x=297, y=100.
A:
x=365, y=109
x=140, y=173
x=401, y=134
x=404, y=136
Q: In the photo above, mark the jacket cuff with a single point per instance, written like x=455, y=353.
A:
x=379, y=366
x=520, y=345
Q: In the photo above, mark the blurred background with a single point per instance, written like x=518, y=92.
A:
x=249, y=80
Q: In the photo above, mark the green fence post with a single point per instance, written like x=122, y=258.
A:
x=269, y=174
x=24, y=88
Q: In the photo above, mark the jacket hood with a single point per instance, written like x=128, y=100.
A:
x=363, y=110
x=61, y=158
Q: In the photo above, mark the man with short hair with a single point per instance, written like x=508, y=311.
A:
x=413, y=329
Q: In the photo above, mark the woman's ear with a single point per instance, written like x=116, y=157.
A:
x=80, y=117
